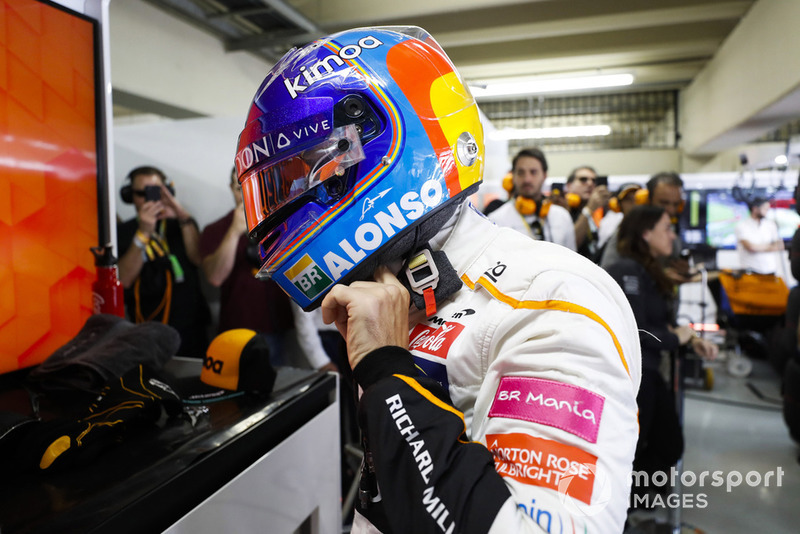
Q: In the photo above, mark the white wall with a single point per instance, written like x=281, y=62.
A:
x=161, y=58
x=196, y=154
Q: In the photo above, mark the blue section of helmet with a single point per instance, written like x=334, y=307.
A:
x=322, y=236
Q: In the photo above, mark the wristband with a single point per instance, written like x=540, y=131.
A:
x=140, y=239
x=141, y=244
x=187, y=220
x=589, y=219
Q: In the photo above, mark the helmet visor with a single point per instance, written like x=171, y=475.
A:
x=268, y=189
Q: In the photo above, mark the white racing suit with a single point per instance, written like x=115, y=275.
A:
x=557, y=227
x=518, y=410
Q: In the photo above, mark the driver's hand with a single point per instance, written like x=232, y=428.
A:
x=369, y=315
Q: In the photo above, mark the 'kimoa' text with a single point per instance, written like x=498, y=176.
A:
x=326, y=65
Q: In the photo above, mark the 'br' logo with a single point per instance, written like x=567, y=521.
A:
x=308, y=277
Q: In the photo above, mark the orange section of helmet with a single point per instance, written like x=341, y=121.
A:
x=415, y=66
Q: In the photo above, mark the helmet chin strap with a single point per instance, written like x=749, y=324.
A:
x=429, y=278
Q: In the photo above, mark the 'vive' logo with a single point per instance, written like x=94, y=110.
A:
x=327, y=65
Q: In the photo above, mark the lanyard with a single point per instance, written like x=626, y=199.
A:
x=158, y=247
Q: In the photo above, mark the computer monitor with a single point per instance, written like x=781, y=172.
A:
x=711, y=215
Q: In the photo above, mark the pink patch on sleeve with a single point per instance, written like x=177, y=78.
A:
x=547, y=402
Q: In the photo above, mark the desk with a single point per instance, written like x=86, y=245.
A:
x=247, y=465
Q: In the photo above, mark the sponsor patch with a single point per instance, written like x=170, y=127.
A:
x=308, y=277
x=433, y=340
x=544, y=463
x=570, y=408
x=437, y=370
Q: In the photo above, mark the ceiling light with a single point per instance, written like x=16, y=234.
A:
x=550, y=85
x=781, y=160
x=550, y=133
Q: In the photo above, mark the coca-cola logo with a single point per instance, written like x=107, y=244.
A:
x=434, y=340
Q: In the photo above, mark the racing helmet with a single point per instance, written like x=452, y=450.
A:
x=356, y=149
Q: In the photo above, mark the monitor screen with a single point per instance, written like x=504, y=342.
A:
x=723, y=212
x=49, y=124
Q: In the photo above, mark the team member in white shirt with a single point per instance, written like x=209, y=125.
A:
x=757, y=239
x=528, y=210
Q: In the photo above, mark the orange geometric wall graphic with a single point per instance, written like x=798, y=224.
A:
x=48, y=179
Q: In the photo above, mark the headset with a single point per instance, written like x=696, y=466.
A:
x=573, y=200
x=526, y=206
x=126, y=191
x=642, y=196
x=508, y=182
x=625, y=190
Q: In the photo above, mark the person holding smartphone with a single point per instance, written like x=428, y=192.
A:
x=591, y=193
x=158, y=262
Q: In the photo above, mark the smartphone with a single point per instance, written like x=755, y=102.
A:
x=601, y=180
x=557, y=188
x=152, y=193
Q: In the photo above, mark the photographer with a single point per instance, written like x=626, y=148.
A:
x=158, y=267
x=230, y=262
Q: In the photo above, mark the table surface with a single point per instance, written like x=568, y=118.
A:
x=158, y=473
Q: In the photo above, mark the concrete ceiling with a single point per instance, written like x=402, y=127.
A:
x=731, y=61
x=664, y=44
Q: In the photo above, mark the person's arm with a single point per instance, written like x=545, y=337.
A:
x=744, y=233
x=133, y=259
x=641, y=295
x=189, y=230
x=309, y=340
x=584, y=224
x=702, y=347
x=131, y=263
x=218, y=265
x=428, y=474
x=772, y=246
x=191, y=238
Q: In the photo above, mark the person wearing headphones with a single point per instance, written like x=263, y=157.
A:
x=581, y=184
x=645, y=236
x=528, y=210
x=159, y=260
x=664, y=190
x=481, y=410
x=618, y=205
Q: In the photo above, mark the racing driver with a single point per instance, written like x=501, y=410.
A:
x=498, y=374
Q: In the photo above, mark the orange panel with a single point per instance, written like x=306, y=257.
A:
x=48, y=191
